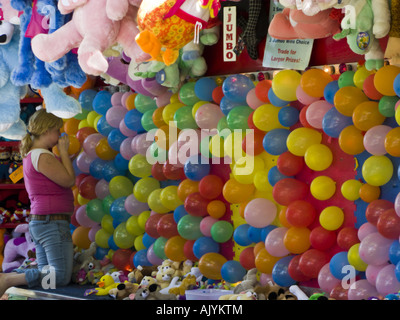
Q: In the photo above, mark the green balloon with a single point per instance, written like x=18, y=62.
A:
x=122, y=238
x=237, y=117
x=205, y=147
x=189, y=227
x=187, y=95
x=107, y=202
x=387, y=104
x=107, y=223
x=144, y=103
x=156, y=154
x=221, y=231
x=158, y=247
x=82, y=115
x=94, y=210
x=184, y=118
x=147, y=120
x=346, y=79
x=222, y=125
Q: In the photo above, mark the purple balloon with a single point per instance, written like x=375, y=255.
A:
x=89, y=144
x=164, y=99
x=361, y=290
x=125, y=130
x=326, y=280
x=125, y=149
x=152, y=257
x=372, y=272
x=101, y=189
x=152, y=86
x=386, y=281
x=115, y=114
x=83, y=162
x=83, y=219
x=116, y=98
x=134, y=206
x=92, y=232
x=274, y=242
x=142, y=144
x=374, y=249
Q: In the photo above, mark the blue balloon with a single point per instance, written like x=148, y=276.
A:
x=118, y=211
x=115, y=138
x=275, y=100
x=280, y=272
x=140, y=258
x=241, y=235
x=338, y=265
x=96, y=168
x=101, y=253
x=179, y=212
x=147, y=240
x=232, y=271
x=397, y=271
x=235, y=87
x=103, y=127
x=111, y=244
x=396, y=85
x=227, y=105
x=110, y=171
x=86, y=98
x=274, y=142
x=265, y=231
x=204, y=245
x=133, y=121
x=254, y=234
x=288, y=116
x=394, y=252
x=274, y=175
x=121, y=163
x=196, y=167
x=334, y=122
x=204, y=88
x=102, y=102
x=330, y=90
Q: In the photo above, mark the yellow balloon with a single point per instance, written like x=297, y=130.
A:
x=138, y=243
x=132, y=226
x=318, y=157
x=96, y=121
x=81, y=200
x=92, y=115
x=233, y=145
x=245, y=168
x=300, y=139
x=331, y=218
x=144, y=187
x=196, y=107
x=169, y=197
x=83, y=124
x=154, y=202
x=285, y=84
x=397, y=116
x=169, y=112
x=354, y=258
x=360, y=75
x=323, y=188
x=377, y=170
x=174, y=98
x=216, y=146
x=384, y=78
x=260, y=181
x=139, y=166
x=142, y=218
x=351, y=189
x=101, y=238
x=107, y=223
x=265, y=117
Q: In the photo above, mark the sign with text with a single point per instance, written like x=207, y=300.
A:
x=229, y=33
x=286, y=54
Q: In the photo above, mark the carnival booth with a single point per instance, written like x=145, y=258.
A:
x=223, y=150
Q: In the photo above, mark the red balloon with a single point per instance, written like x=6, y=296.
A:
x=300, y=213
x=167, y=227
x=131, y=260
x=289, y=164
x=83, y=133
x=294, y=270
x=252, y=143
x=312, y=261
x=210, y=187
x=79, y=178
x=339, y=293
x=347, y=237
x=247, y=258
x=196, y=205
x=376, y=208
x=157, y=171
x=261, y=90
x=188, y=250
x=288, y=190
x=369, y=88
x=74, y=222
x=303, y=118
x=322, y=239
x=217, y=94
x=389, y=224
x=121, y=259
x=173, y=172
x=87, y=187
x=151, y=225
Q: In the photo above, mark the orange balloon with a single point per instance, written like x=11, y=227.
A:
x=89, y=84
x=74, y=146
x=71, y=126
x=216, y=209
x=259, y=246
x=210, y=265
x=351, y=140
x=173, y=248
x=235, y=192
x=242, y=206
x=297, y=240
x=384, y=78
x=130, y=101
x=282, y=218
x=262, y=89
x=75, y=192
x=104, y=151
x=80, y=237
x=347, y=99
x=157, y=117
x=265, y=262
x=314, y=81
x=366, y=115
x=392, y=142
x=187, y=187
x=369, y=193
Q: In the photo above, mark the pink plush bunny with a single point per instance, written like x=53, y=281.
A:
x=16, y=249
x=92, y=31
x=9, y=13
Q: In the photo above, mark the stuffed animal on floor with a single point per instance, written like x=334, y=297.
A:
x=362, y=30
x=246, y=295
x=393, y=45
x=249, y=281
x=152, y=292
x=124, y=291
x=141, y=272
x=84, y=262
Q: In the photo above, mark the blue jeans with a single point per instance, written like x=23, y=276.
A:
x=54, y=248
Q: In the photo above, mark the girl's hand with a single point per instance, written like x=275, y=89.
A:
x=63, y=144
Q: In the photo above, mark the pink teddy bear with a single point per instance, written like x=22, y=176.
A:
x=93, y=31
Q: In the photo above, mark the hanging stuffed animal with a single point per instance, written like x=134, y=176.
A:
x=363, y=26
x=167, y=26
x=393, y=45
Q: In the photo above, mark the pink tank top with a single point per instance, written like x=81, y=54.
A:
x=46, y=196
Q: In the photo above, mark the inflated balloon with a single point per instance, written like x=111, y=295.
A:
x=351, y=140
x=366, y=115
x=285, y=84
x=334, y=122
x=312, y=261
x=174, y=248
x=290, y=164
x=300, y=139
x=337, y=265
x=216, y=209
x=87, y=187
x=260, y=212
x=187, y=94
x=189, y=227
x=326, y=280
x=275, y=101
x=169, y=197
x=187, y=187
x=313, y=82
x=236, y=87
x=274, y=242
x=331, y=218
x=204, y=88
x=374, y=249
x=159, y=247
x=389, y=224
x=123, y=239
x=303, y=97
x=102, y=102
x=245, y=169
x=354, y=258
x=196, y=168
x=210, y=186
x=132, y=226
x=151, y=225
x=184, y=118
x=273, y=176
x=144, y=187
x=375, y=209
x=166, y=226
x=300, y=213
x=115, y=139
x=205, y=245
x=118, y=212
x=318, y=157
x=297, y=239
x=289, y=189
x=154, y=201
x=265, y=261
x=235, y=192
x=210, y=265
x=294, y=269
x=346, y=79
x=374, y=139
x=280, y=273
x=387, y=105
x=392, y=142
x=120, y=186
x=322, y=239
x=261, y=90
x=360, y=75
x=369, y=88
x=196, y=205
x=347, y=99
x=347, y=237
x=266, y=118
x=114, y=115
x=252, y=99
x=247, y=258
x=384, y=78
x=323, y=188
x=86, y=98
x=102, y=190
x=237, y=117
x=316, y=112
x=274, y=141
x=90, y=142
x=104, y=150
x=386, y=280
x=369, y=193
x=139, y=166
x=227, y=105
x=288, y=116
x=377, y=170
x=208, y=115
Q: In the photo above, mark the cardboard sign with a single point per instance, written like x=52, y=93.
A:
x=229, y=33
x=17, y=175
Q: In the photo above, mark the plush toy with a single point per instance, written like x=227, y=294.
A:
x=186, y=284
x=152, y=292
x=4, y=162
x=105, y=284
x=16, y=250
x=246, y=295
x=393, y=45
x=15, y=160
x=84, y=262
x=169, y=25
x=2, y=232
x=147, y=280
x=362, y=31
x=124, y=291
x=279, y=293
x=249, y=281
x=9, y=13
x=141, y=272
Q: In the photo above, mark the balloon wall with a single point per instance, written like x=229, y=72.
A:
x=297, y=176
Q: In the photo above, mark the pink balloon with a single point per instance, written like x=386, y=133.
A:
x=208, y=116
x=101, y=189
x=252, y=99
x=326, y=280
x=265, y=278
x=116, y=98
x=396, y=105
x=361, y=290
x=174, y=157
x=372, y=272
x=142, y=144
x=125, y=130
x=82, y=217
x=134, y=206
x=386, y=281
x=92, y=232
x=366, y=229
x=125, y=149
x=89, y=144
x=124, y=97
x=374, y=249
x=274, y=242
x=397, y=204
x=260, y=212
x=164, y=99
x=374, y=140
x=152, y=257
x=83, y=161
x=205, y=225
x=114, y=115
x=316, y=112
x=303, y=97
